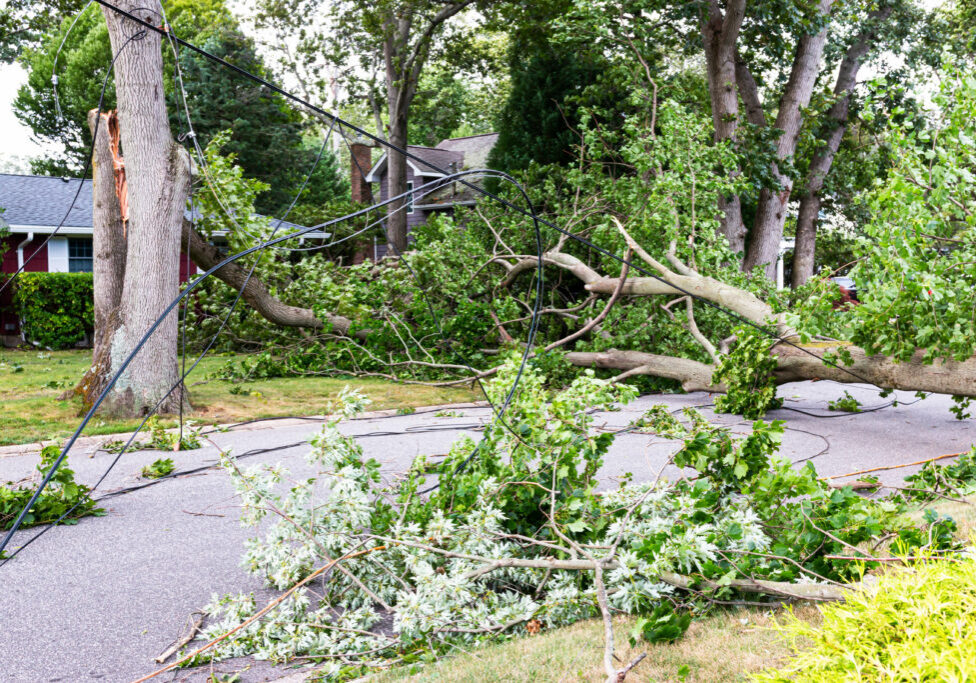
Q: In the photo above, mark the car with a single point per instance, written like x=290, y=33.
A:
x=848, y=288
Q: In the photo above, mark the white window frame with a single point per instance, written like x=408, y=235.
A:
x=410, y=208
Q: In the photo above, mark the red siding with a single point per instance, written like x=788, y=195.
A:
x=37, y=263
x=184, y=274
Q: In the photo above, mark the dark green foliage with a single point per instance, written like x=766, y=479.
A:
x=59, y=496
x=536, y=124
x=81, y=71
x=266, y=136
x=57, y=309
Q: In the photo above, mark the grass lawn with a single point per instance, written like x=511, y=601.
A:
x=31, y=381
x=724, y=646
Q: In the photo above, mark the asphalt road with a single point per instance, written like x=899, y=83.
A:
x=99, y=600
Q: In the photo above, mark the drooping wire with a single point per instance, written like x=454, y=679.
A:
x=445, y=177
x=499, y=413
x=484, y=192
x=166, y=312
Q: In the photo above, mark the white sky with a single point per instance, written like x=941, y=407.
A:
x=17, y=143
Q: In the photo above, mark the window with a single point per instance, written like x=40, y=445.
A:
x=409, y=208
x=79, y=255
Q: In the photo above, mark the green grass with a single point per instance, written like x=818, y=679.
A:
x=31, y=381
x=727, y=645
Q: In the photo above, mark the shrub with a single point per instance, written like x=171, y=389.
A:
x=56, y=309
x=914, y=625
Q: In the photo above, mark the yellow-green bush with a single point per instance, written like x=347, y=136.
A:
x=915, y=624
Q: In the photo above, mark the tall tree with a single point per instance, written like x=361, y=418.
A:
x=76, y=51
x=538, y=120
x=158, y=178
x=390, y=41
x=768, y=66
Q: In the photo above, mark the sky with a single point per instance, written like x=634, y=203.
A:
x=17, y=143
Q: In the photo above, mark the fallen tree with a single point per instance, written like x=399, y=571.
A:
x=517, y=538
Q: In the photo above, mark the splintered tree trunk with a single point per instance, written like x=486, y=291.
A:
x=108, y=265
x=158, y=175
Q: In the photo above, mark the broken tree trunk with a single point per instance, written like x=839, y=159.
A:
x=108, y=264
x=158, y=179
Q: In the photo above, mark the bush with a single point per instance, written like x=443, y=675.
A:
x=914, y=625
x=56, y=309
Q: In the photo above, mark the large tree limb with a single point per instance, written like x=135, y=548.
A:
x=793, y=365
x=256, y=294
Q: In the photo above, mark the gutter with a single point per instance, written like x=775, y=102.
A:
x=20, y=250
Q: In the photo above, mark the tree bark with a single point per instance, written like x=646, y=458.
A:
x=804, y=251
x=767, y=232
x=158, y=174
x=719, y=35
x=947, y=377
x=404, y=60
x=793, y=365
x=397, y=31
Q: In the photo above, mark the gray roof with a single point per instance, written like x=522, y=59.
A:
x=443, y=159
x=32, y=200
x=41, y=201
x=474, y=149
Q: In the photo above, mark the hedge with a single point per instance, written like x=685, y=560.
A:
x=56, y=309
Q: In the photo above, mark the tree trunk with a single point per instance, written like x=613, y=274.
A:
x=396, y=164
x=719, y=35
x=804, y=249
x=158, y=175
x=767, y=232
x=108, y=264
x=793, y=365
x=836, y=126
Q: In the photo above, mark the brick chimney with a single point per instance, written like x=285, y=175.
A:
x=361, y=162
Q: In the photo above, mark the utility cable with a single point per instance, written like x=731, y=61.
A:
x=169, y=309
x=413, y=157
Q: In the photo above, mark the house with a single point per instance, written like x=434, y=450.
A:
x=452, y=155
x=33, y=208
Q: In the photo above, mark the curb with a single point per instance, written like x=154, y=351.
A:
x=88, y=445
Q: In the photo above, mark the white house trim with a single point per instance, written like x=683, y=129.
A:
x=49, y=229
x=374, y=175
